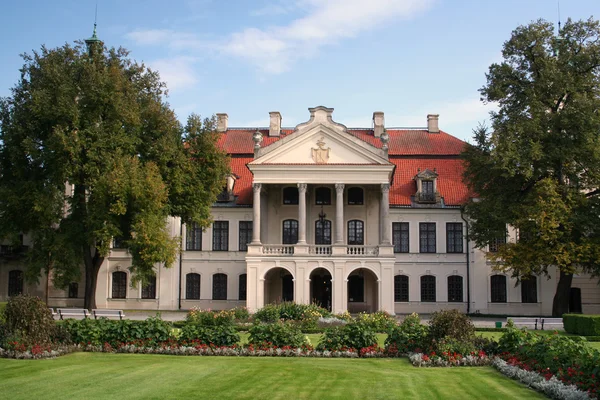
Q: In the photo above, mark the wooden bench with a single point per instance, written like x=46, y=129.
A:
x=108, y=314
x=552, y=322
x=52, y=311
x=73, y=313
x=525, y=321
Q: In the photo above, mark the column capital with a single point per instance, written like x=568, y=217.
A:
x=385, y=187
x=256, y=187
x=302, y=187
x=339, y=187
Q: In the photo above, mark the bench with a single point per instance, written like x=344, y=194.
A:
x=552, y=322
x=108, y=314
x=73, y=313
x=52, y=311
x=525, y=321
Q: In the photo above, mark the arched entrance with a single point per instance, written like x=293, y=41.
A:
x=320, y=288
x=279, y=286
x=363, y=292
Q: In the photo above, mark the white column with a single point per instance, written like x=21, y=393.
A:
x=256, y=214
x=302, y=213
x=339, y=213
x=385, y=215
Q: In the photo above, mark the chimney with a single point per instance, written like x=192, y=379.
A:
x=432, y=123
x=378, y=123
x=222, y=122
x=274, y=123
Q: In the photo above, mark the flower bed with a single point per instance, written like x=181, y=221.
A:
x=36, y=352
x=449, y=359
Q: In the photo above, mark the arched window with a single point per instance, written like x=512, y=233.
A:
x=356, y=232
x=119, y=285
x=323, y=196
x=356, y=289
x=192, y=286
x=15, y=283
x=219, y=291
x=498, y=288
x=243, y=287
x=401, y=288
x=455, y=289
x=356, y=196
x=428, y=288
x=290, y=195
x=323, y=232
x=529, y=290
x=149, y=290
x=73, y=290
x=290, y=231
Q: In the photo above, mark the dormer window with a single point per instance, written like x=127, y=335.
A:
x=427, y=187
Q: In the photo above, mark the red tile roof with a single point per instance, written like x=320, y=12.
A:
x=409, y=149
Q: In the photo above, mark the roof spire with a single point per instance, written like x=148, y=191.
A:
x=94, y=39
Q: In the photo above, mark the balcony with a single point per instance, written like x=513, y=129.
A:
x=314, y=250
x=427, y=197
x=7, y=251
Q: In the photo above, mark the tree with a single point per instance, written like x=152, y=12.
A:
x=90, y=151
x=538, y=169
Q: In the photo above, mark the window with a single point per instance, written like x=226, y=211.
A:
x=243, y=287
x=454, y=237
x=498, y=288
x=400, y=237
x=15, y=283
x=427, y=237
x=356, y=289
x=193, y=240
x=119, y=285
x=355, y=196
x=290, y=195
x=495, y=244
x=149, y=290
x=323, y=196
x=455, y=289
x=529, y=290
x=192, y=286
x=290, y=231
x=356, y=232
x=219, y=291
x=428, y=288
x=118, y=242
x=73, y=290
x=323, y=232
x=245, y=235
x=401, y=288
x=427, y=193
x=221, y=236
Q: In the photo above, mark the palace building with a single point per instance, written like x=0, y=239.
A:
x=353, y=219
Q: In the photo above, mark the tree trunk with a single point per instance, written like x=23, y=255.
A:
x=560, y=305
x=92, y=267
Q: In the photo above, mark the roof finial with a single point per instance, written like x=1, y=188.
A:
x=558, y=4
x=94, y=39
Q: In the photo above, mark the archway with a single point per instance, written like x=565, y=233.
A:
x=279, y=286
x=320, y=288
x=363, y=292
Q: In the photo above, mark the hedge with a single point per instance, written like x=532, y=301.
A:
x=585, y=325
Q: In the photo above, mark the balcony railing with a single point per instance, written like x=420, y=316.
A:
x=319, y=250
x=278, y=249
x=355, y=250
x=11, y=251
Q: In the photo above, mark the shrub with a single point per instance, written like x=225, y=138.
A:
x=407, y=337
x=100, y=331
x=280, y=333
x=379, y=321
x=267, y=314
x=241, y=314
x=585, y=325
x=28, y=320
x=451, y=324
x=219, y=335
x=353, y=335
x=290, y=311
x=210, y=318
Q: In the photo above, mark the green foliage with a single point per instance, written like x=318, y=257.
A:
x=379, y=321
x=354, y=335
x=579, y=324
x=280, y=333
x=290, y=311
x=28, y=320
x=536, y=169
x=407, y=337
x=218, y=335
x=92, y=130
x=100, y=331
x=241, y=314
x=200, y=317
x=451, y=324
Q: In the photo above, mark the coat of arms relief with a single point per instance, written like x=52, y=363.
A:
x=320, y=155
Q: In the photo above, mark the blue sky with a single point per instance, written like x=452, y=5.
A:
x=246, y=58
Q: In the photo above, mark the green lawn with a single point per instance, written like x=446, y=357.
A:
x=125, y=376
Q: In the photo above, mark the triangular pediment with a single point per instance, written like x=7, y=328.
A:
x=320, y=141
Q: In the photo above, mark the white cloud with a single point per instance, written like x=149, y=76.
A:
x=177, y=72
